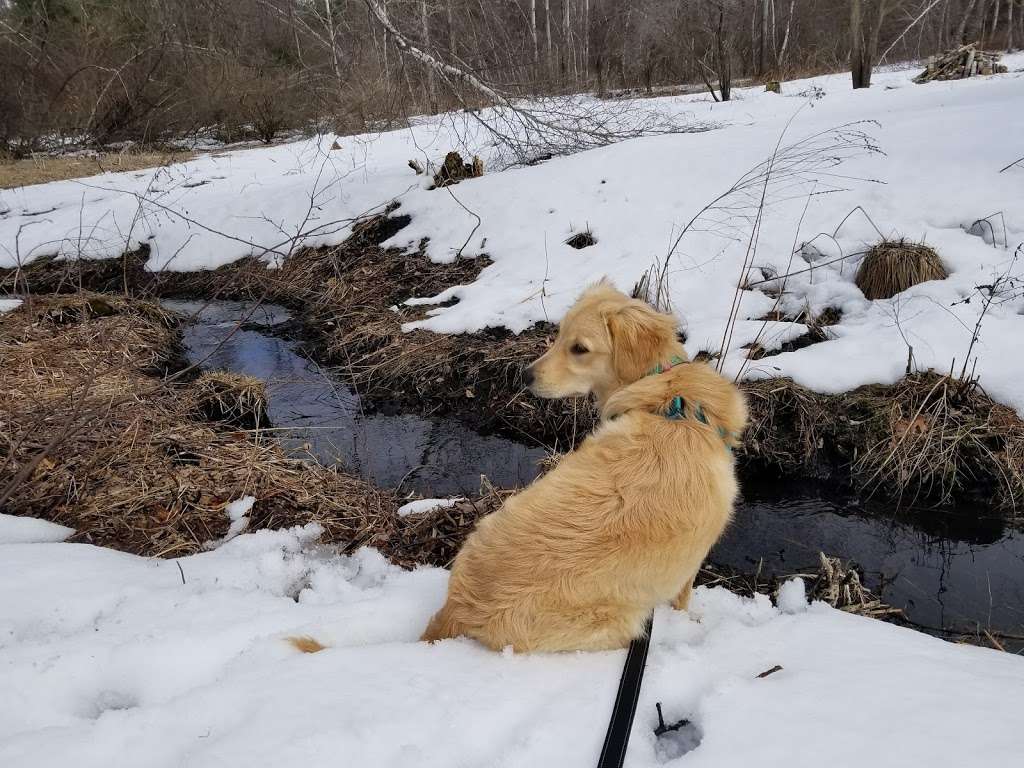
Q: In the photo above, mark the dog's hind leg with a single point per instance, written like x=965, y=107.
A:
x=682, y=601
x=441, y=627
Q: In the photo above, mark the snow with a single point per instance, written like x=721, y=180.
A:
x=6, y=305
x=112, y=659
x=792, y=596
x=238, y=513
x=30, y=530
x=944, y=146
x=427, y=505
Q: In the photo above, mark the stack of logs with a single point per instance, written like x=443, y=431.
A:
x=956, y=64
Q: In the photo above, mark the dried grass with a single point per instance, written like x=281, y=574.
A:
x=928, y=438
x=893, y=266
x=237, y=400
x=832, y=581
x=43, y=169
x=134, y=467
x=944, y=436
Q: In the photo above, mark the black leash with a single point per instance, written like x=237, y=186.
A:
x=613, y=753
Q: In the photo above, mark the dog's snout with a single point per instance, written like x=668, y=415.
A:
x=528, y=375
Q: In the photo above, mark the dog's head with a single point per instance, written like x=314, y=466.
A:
x=606, y=341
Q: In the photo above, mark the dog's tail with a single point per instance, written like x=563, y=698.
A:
x=306, y=644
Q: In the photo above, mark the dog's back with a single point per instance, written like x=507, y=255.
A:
x=580, y=558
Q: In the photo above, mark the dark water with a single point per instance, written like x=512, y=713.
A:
x=949, y=570
x=957, y=571
x=314, y=413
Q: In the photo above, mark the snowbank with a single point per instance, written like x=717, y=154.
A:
x=944, y=146
x=30, y=530
x=110, y=659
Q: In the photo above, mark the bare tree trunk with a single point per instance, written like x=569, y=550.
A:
x=451, y=29
x=723, y=58
x=995, y=21
x=876, y=31
x=1009, y=27
x=586, y=39
x=944, y=26
x=335, y=57
x=547, y=32
x=773, y=25
x=762, y=50
x=533, y=30
x=780, y=62
x=857, y=44
x=961, y=29
x=566, y=39
x=431, y=84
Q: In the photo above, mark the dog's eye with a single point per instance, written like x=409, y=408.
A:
x=579, y=349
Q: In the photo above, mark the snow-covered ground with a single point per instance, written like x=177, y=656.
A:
x=109, y=659
x=944, y=146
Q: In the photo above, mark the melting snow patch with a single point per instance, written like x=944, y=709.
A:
x=6, y=305
x=238, y=513
x=427, y=505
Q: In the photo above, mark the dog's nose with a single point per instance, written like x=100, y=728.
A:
x=528, y=375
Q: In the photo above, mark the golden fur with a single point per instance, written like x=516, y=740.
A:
x=306, y=644
x=577, y=560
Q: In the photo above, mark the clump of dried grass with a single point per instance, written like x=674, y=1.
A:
x=927, y=438
x=832, y=581
x=838, y=584
x=232, y=398
x=893, y=266
x=784, y=424
x=91, y=438
x=942, y=436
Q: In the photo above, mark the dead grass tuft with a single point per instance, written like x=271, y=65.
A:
x=928, y=438
x=893, y=266
x=831, y=581
x=236, y=400
x=942, y=436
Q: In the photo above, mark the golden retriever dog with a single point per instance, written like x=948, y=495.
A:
x=580, y=558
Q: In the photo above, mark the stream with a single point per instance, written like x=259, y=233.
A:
x=957, y=570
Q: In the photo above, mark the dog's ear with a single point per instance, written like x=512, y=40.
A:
x=638, y=336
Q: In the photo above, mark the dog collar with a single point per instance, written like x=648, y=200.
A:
x=677, y=408
x=659, y=368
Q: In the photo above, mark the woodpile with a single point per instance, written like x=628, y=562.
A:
x=959, y=63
